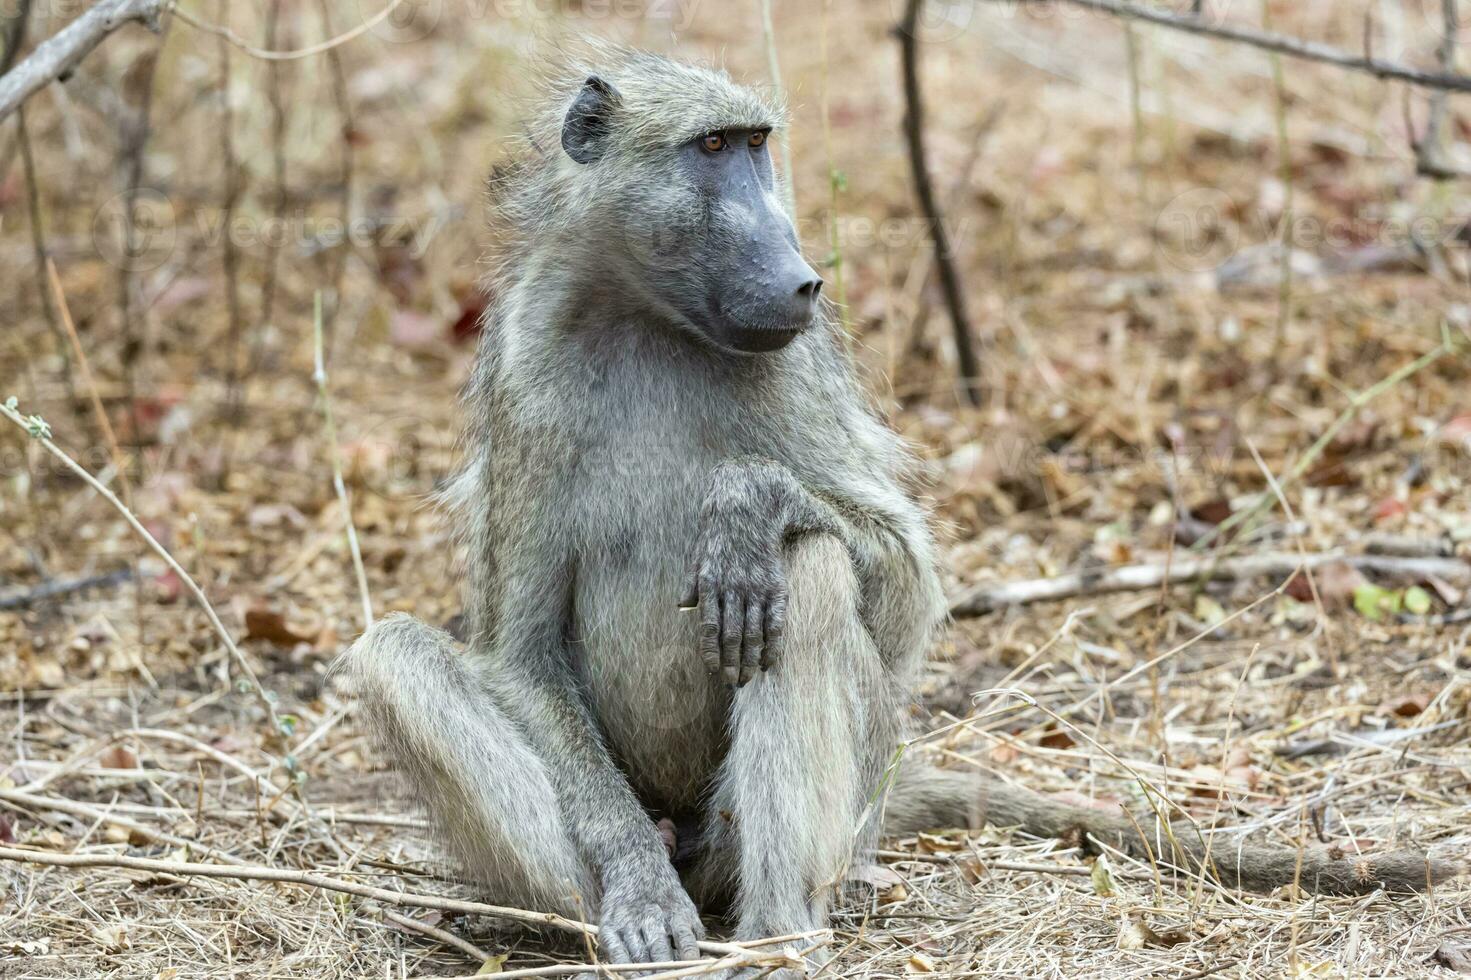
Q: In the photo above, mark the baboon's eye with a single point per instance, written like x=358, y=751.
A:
x=758, y=138
x=714, y=143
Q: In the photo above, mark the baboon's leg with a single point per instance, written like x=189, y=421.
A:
x=485, y=788
x=791, y=792
x=925, y=798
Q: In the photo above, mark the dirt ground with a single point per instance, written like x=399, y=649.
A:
x=1154, y=389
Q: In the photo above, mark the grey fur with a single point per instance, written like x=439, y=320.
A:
x=614, y=457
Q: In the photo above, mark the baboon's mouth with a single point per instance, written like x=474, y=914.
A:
x=762, y=341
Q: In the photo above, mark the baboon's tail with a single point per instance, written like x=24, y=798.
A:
x=925, y=798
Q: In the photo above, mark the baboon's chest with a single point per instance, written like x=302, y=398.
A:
x=637, y=513
x=641, y=481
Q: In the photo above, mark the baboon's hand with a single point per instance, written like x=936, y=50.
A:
x=647, y=916
x=738, y=581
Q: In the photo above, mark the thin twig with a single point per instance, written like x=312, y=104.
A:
x=1284, y=174
x=1292, y=47
x=64, y=587
x=319, y=375
x=835, y=184
x=306, y=52
x=343, y=99
x=40, y=432
x=425, y=929
x=234, y=188
x=105, y=424
x=1447, y=345
x=750, y=954
x=38, y=221
x=17, y=798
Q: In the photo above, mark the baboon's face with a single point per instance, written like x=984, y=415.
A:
x=705, y=235
x=733, y=270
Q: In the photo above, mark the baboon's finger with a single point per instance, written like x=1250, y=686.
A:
x=656, y=937
x=776, y=627
x=710, y=629
x=691, y=596
x=686, y=942
x=613, y=946
x=732, y=624
x=753, y=641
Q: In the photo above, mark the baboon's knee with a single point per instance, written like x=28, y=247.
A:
x=397, y=669
x=821, y=581
x=393, y=649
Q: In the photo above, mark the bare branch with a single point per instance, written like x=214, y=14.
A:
x=745, y=954
x=907, y=32
x=60, y=53
x=1129, y=578
x=1284, y=44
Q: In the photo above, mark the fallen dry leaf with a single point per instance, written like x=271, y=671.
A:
x=1056, y=738
x=887, y=884
x=112, y=939
x=1410, y=705
x=269, y=625
x=919, y=963
x=1336, y=581
x=118, y=757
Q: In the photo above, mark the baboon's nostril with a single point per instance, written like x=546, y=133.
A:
x=809, y=289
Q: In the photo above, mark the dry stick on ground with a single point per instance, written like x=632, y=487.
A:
x=58, y=55
x=425, y=929
x=15, y=798
x=320, y=377
x=749, y=953
x=58, y=588
x=908, y=34
x=1292, y=47
x=38, y=430
x=1129, y=578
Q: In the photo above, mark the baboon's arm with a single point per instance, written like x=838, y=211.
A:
x=925, y=798
x=751, y=509
x=902, y=596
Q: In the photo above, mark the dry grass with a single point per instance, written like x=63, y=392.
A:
x=1127, y=381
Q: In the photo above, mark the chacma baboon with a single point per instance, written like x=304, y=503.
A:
x=698, y=589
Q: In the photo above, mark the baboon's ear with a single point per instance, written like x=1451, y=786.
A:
x=585, y=130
